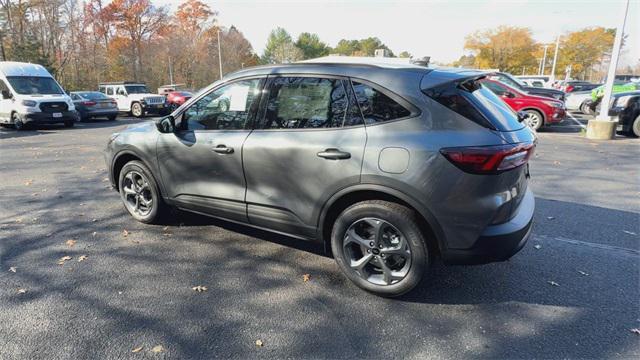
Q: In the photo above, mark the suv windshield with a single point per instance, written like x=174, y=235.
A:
x=509, y=80
x=136, y=89
x=34, y=85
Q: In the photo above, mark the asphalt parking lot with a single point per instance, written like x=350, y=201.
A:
x=572, y=292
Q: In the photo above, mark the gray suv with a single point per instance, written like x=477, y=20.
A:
x=388, y=166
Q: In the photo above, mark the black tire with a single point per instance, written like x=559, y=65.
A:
x=17, y=122
x=158, y=207
x=68, y=124
x=137, y=110
x=397, y=217
x=535, y=113
x=635, y=127
x=584, y=108
x=112, y=117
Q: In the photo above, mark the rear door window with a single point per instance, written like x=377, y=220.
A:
x=305, y=103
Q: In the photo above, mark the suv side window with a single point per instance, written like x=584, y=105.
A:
x=226, y=108
x=377, y=107
x=305, y=103
x=109, y=90
x=496, y=88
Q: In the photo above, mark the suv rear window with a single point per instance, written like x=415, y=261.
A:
x=477, y=103
x=377, y=107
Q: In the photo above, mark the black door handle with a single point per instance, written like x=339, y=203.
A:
x=334, y=154
x=223, y=149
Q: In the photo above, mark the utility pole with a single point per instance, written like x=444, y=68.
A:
x=544, y=59
x=555, y=58
x=219, y=53
x=603, y=126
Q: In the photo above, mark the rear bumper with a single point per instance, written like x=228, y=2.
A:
x=48, y=118
x=497, y=242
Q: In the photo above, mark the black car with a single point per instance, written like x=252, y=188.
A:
x=626, y=106
x=94, y=104
x=532, y=90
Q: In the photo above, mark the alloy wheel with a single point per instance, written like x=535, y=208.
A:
x=137, y=193
x=377, y=251
x=533, y=119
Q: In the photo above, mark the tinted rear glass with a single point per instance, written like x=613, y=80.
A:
x=94, y=96
x=495, y=109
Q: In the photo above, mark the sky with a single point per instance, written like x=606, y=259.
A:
x=433, y=28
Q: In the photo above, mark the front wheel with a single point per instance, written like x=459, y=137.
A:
x=534, y=119
x=139, y=193
x=136, y=110
x=17, y=122
x=379, y=246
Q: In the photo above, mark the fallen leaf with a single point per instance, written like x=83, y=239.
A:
x=63, y=259
x=82, y=258
x=28, y=182
x=93, y=234
x=166, y=228
x=537, y=247
x=635, y=331
x=556, y=162
x=550, y=217
x=582, y=273
x=12, y=269
x=70, y=242
x=138, y=349
x=22, y=291
x=157, y=349
x=18, y=221
x=259, y=343
x=199, y=288
x=629, y=232
x=125, y=233
x=94, y=220
x=306, y=277
x=553, y=283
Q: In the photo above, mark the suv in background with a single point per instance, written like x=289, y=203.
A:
x=515, y=83
x=538, y=110
x=134, y=98
x=386, y=165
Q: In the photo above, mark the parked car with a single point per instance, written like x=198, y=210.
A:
x=579, y=101
x=387, y=166
x=94, y=104
x=626, y=107
x=134, y=98
x=532, y=82
x=175, y=99
x=577, y=85
x=30, y=95
x=539, y=110
x=513, y=82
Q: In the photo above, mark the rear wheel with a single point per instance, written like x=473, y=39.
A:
x=136, y=110
x=379, y=246
x=584, y=108
x=635, y=127
x=534, y=119
x=139, y=193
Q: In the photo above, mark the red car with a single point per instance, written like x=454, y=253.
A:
x=176, y=98
x=539, y=110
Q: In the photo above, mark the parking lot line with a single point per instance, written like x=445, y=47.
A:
x=576, y=120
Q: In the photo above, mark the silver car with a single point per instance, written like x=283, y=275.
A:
x=387, y=166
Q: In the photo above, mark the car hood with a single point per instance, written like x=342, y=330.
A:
x=44, y=98
x=145, y=126
x=538, y=90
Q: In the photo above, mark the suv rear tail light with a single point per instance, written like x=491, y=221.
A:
x=489, y=159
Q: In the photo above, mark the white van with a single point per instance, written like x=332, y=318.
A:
x=30, y=95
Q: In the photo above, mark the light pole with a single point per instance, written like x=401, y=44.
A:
x=544, y=60
x=219, y=53
x=603, y=126
x=555, y=59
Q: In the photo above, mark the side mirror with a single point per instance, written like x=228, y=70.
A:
x=508, y=95
x=6, y=94
x=166, y=125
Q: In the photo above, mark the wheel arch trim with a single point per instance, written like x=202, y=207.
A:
x=423, y=211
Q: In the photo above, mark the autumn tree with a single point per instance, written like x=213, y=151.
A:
x=583, y=49
x=138, y=21
x=507, y=48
